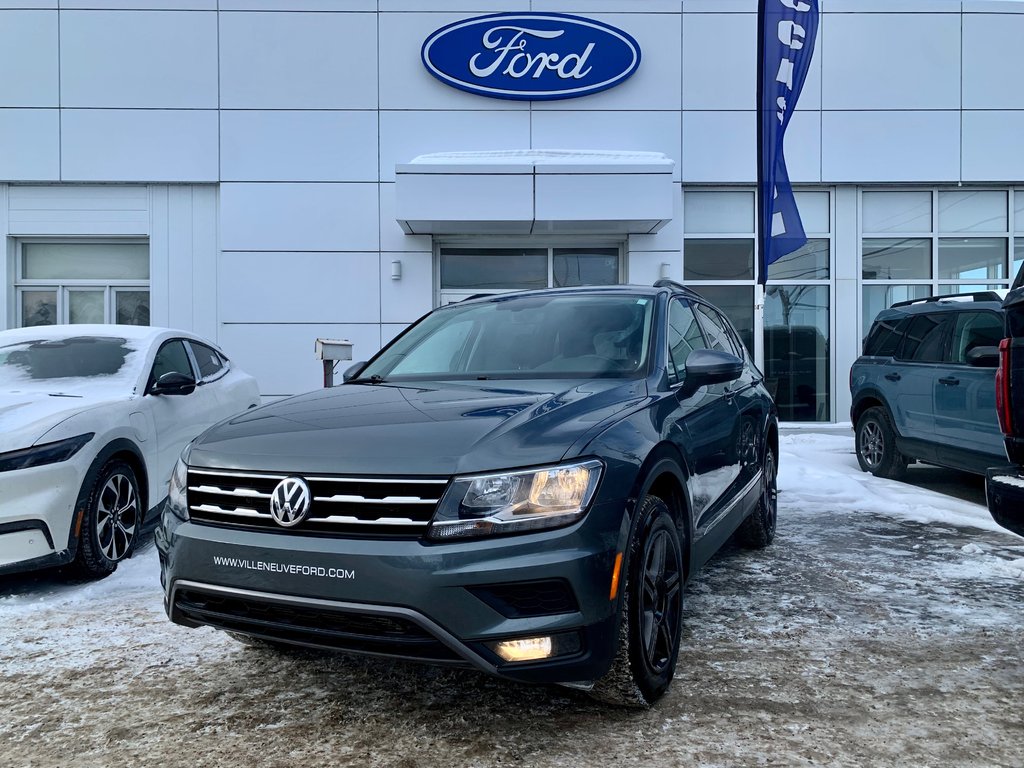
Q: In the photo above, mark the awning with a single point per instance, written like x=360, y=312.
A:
x=520, y=192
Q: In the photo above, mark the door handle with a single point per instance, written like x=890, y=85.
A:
x=950, y=381
x=893, y=376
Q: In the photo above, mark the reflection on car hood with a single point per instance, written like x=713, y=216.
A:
x=25, y=416
x=422, y=429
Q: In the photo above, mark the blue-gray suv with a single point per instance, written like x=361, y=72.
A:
x=924, y=389
x=521, y=484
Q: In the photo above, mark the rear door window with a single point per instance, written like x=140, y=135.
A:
x=717, y=330
x=211, y=364
x=926, y=338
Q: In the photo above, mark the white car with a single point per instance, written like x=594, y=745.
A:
x=92, y=420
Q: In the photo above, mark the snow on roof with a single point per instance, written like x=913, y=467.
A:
x=130, y=332
x=545, y=157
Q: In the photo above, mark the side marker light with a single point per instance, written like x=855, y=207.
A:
x=614, y=591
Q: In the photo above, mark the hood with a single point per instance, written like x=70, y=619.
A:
x=426, y=429
x=25, y=416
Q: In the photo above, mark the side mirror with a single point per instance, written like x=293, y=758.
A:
x=983, y=357
x=173, y=383
x=353, y=370
x=710, y=366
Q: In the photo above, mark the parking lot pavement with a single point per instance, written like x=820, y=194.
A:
x=883, y=627
x=960, y=485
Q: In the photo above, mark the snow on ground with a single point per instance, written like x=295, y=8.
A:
x=822, y=471
x=883, y=627
x=819, y=472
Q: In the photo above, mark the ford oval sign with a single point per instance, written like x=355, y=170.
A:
x=530, y=56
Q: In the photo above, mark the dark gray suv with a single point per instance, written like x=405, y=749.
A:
x=520, y=484
x=924, y=389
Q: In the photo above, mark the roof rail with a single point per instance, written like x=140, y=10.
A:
x=666, y=282
x=975, y=296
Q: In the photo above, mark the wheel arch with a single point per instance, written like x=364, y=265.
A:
x=664, y=474
x=120, y=448
x=869, y=399
x=772, y=438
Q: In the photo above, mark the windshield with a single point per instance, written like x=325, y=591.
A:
x=568, y=336
x=64, y=363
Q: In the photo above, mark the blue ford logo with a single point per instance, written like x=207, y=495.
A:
x=530, y=56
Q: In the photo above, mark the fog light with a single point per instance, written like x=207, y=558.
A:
x=526, y=649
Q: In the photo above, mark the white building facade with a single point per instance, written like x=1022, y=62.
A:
x=266, y=172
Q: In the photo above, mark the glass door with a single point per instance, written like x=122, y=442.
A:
x=464, y=270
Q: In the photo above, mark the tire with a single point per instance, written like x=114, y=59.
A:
x=876, y=445
x=758, y=530
x=651, y=612
x=113, y=517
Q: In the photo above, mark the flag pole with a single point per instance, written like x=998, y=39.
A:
x=760, y=138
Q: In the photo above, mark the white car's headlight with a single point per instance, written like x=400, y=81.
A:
x=48, y=453
x=176, y=502
x=510, y=502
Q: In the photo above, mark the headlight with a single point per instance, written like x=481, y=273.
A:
x=510, y=502
x=48, y=453
x=176, y=502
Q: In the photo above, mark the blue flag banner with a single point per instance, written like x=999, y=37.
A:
x=786, y=31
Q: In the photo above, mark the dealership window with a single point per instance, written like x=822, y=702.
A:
x=464, y=270
x=82, y=282
x=918, y=243
x=719, y=249
x=1018, y=228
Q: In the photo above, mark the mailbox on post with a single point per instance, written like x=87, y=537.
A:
x=331, y=351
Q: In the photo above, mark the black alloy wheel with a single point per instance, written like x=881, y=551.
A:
x=758, y=530
x=651, y=614
x=660, y=601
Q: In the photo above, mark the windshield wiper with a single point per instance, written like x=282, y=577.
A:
x=375, y=379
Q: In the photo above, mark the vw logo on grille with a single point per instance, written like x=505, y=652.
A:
x=289, y=503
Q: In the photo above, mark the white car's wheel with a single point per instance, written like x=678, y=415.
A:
x=113, y=516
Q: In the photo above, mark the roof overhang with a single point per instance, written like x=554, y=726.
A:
x=519, y=192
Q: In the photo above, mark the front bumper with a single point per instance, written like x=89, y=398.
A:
x=440, y=603
x=37, y=507
x=1004, y=491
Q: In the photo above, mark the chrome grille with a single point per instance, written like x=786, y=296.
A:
x=341, y=506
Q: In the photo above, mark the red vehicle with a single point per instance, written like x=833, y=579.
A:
x=1004, y=486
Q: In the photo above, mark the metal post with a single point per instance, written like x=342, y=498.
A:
x=330, y=351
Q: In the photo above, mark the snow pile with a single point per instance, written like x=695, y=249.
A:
x=819, y=473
